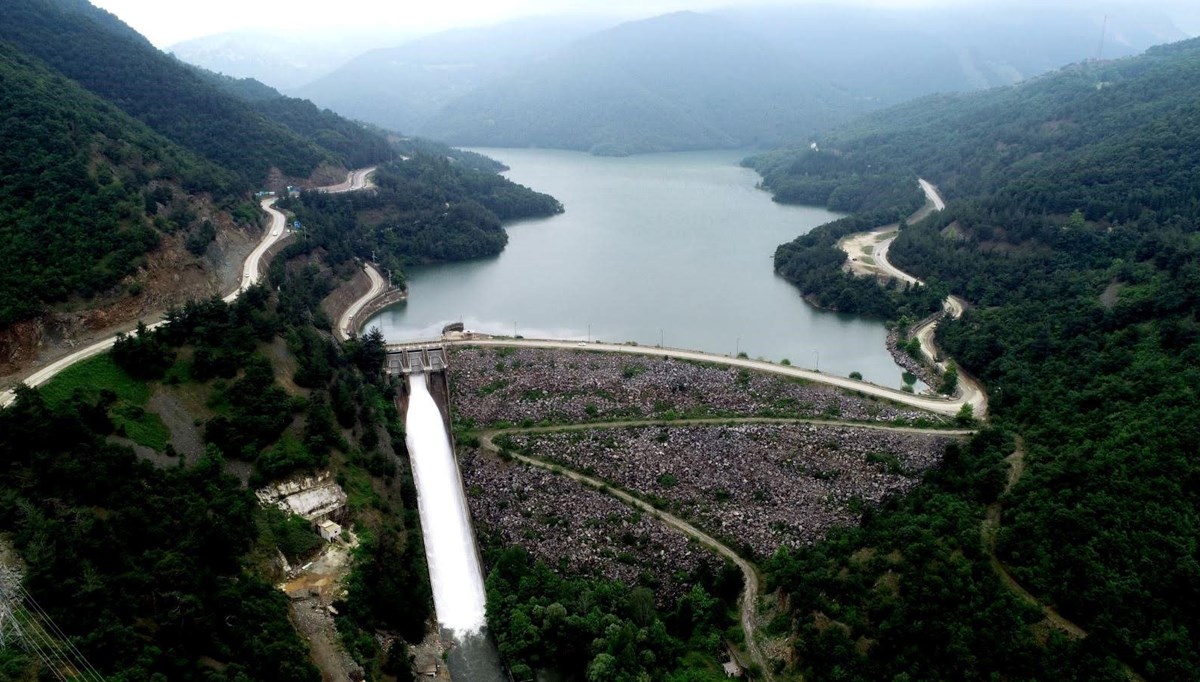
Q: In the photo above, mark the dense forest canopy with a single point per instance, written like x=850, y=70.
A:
x=595, y=629
x=165, y=570
x=87, y=190
x=355, y=144
x=1072, y=232
x=95, y=49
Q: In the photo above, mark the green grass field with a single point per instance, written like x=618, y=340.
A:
x=92, y=376
x=128, y=414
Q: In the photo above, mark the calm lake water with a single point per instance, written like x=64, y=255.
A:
x=672, y=248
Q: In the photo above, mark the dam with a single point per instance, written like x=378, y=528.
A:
x=455, y=569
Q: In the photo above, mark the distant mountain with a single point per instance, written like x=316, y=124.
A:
x=107, y=57
x=892, y=55
x=746, y=77
x=680, y=81
x=283, y=61
x=400, y=88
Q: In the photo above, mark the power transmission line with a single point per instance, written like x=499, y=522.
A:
x=24, y=623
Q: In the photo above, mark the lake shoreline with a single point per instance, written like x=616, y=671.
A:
x=671, y=249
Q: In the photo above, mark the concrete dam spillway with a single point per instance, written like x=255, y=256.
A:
x=454, y=568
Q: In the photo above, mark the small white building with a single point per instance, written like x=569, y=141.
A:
x=329, y=530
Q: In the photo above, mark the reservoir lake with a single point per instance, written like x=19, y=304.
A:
x=659, y=248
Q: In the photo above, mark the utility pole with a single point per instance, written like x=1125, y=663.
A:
x=818, y=368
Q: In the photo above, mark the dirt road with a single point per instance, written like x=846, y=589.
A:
x=868, y=253
x=989, y=531
x=750, y=575
x=749, y=603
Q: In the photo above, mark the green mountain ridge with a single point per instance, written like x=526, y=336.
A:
x=87, y=190
x=1071, y=230
x=355, y=144
x=95, y=49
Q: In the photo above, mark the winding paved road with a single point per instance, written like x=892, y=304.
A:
x=250, y=269
x=880, y=239
x=345, y=325
x=356, y=179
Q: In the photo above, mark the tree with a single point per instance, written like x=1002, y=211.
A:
x=949, y=381
x=602, y=668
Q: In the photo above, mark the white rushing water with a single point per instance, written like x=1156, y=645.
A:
x=458, y=594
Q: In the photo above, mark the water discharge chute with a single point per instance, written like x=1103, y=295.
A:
x=458, y=594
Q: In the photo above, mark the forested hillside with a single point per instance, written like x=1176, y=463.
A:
x=87, y=190
x=93, y=48
x=356, y=145
x=158, y=562
x=1072, y=231
x=426, y=209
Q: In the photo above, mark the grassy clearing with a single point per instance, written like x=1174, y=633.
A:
x=140, y=426
x=92, y=376
x=128, y=413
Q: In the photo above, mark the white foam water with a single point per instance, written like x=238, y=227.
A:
x=458, y=593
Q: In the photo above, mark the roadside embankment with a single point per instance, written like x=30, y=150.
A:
x=345, y=295
x=369, y=308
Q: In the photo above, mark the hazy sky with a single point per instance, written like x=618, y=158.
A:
x=166, y=22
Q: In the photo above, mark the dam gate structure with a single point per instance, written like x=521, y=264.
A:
x=420, y=359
